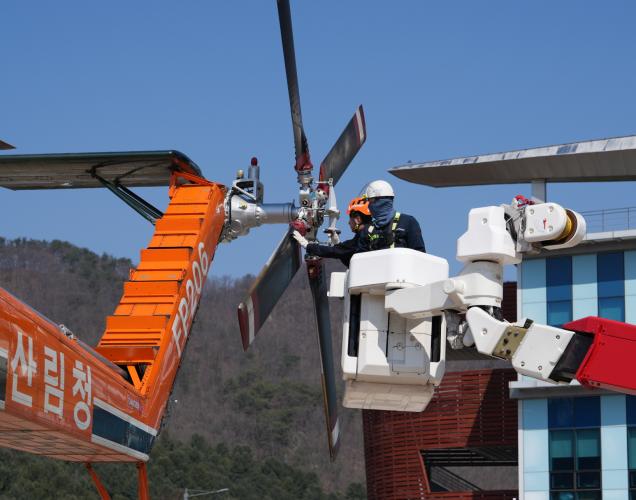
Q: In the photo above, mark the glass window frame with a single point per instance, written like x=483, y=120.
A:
x=562, y=418
x=558, y=283
x=631, y=461
x=610, y=283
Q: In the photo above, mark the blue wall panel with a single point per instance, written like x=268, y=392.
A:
x=536, y=311
x=535, y=436
x=535, y=414
x=535, y=451
x=614, y=494
x=614, y=446
x=536, y=495
x=584, y=307
x=630, y=286
x=536, y=481
x=584, y=289
x=533, y=281
x=613, y=411
x=614, y=479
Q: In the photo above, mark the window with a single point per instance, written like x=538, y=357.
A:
x=631, y=461
x=462, y=470
x=630, y=403
x=559, y=290
x=631, y=445
x=575, y=448
x=611, y=285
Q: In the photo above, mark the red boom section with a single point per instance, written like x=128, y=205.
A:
x=609, y=361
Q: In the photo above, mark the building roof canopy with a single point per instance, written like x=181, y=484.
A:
x=601, y=160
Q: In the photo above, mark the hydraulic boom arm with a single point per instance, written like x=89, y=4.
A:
x=596, y=352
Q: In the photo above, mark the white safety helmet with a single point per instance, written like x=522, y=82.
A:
x=376, y=189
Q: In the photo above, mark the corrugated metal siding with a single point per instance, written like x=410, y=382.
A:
x=470, y=409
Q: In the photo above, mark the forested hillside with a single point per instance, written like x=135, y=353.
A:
x=264, y=406
x=175, y=465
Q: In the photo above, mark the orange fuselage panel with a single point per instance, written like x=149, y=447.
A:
x=62, y=399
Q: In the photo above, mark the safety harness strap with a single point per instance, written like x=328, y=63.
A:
x=374, y=237
x=396, y=219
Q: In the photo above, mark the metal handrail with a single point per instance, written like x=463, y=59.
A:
x=610, y=219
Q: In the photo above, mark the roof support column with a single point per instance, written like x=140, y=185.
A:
x=539, y=193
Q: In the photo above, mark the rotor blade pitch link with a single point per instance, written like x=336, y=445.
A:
x=268, y=287
x=332, y=211
x=303, y=163
x=318, y=285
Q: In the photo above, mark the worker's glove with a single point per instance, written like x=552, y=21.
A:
x=334, y=235
x=302, y=241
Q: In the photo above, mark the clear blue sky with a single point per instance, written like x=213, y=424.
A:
x=437, y=79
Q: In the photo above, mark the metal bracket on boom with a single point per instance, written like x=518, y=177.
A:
x=511, y=340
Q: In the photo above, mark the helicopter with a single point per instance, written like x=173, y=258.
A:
x=66, y=400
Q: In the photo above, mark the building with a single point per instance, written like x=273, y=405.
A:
x=464, y=445
x=573, y=443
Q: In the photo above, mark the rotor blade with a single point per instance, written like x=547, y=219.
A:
x=287, y=36
x=268, y=288
x=6, y=145
x=317, y=283
x=345, y=148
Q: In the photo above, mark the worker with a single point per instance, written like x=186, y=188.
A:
x=359, y=219
x=388, y=228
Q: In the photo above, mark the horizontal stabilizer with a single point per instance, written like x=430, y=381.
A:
x=81, y=170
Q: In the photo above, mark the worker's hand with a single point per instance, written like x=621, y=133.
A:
x=302, y=241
